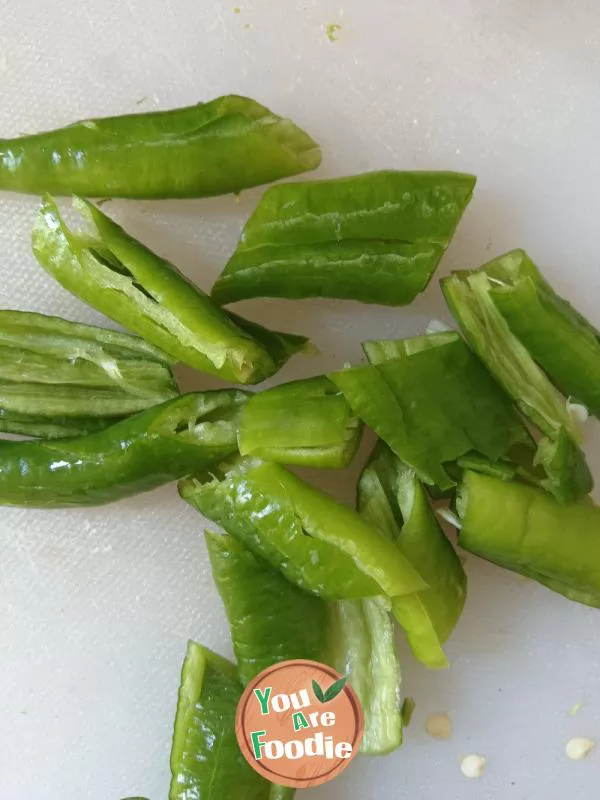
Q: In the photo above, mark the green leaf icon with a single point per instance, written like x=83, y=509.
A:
x=318, y=692
x=335, y=689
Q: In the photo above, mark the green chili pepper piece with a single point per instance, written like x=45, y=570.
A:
x=433, y=406
x=559, y=339
x=376, y=237
x=206, y=761
x=135, y=455
x=527, y=531
x=473, y=306
x=132, y=285
x=472, y=299
x=317, y=543
x=271, y=620
x=59, y=377
x=329, y=521
x=275, y=532
x=51, y=427
x=388, y=205
x=223, y=146
x=307, y=423
x=387, y=273
x=363, y=647
x=391, y=497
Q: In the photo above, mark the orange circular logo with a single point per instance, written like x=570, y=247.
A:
x=299, y=724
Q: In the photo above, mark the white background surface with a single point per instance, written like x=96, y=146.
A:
x=96, y=605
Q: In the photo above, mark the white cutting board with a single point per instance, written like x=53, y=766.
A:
x=96, y=605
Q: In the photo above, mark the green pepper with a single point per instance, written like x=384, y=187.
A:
x=432, y=403
x=206, y=761
x=525, y=530
x=135, y=455
x=318, y=544
x=376, y=237
x=307, y=423
x=473, y=306
x=271, y=620
x=363, y=647
x=557, y=337
x=355, y=636
x=117, y=275
x=223, y=146
x=392, y=498
x=472, y=300
x=60, y=378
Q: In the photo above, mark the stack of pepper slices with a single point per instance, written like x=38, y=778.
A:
x=487, y=420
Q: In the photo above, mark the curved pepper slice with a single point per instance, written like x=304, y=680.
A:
x=316, y=542
x=117, y=275
x=433, y=405
x=307, y=423
x=271, y=620
x=135, y=455
x=472, y=299
x=226, y=145
x=559, y=339
x=61, y=378
x=206, y=761
x=391, y=497
x=525, y=530
x=363, y=647
x=376, y=237
x=469, y=296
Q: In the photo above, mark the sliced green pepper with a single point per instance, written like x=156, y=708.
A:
x=206, y=761
x=525, y=530
x=392, y=498
x=135, y=455
x=433, y=405
x=50, y=427
x=117, y=275
x=469, y=295
x=558, y=338
x=376, y=237
x=271, y=620
x=60, y=378
x=472, y=300
x=223, y=146
x=318, y=544
x=363, y=648
x=307, y=423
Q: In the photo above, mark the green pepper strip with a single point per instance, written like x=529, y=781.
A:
x=525, y=530
x=472, y=300
x=363, y=647
x=391, y=497
x=317, y=543
x=51, y=427
x=376, y=237
x=558, y=338
x=135, y=455
x=206, y=761
x=306, y=423
x=271, y=620
x=60, y=377
x=473, y=306
x=117, y=275
x=432, y=405
x=223, y=146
